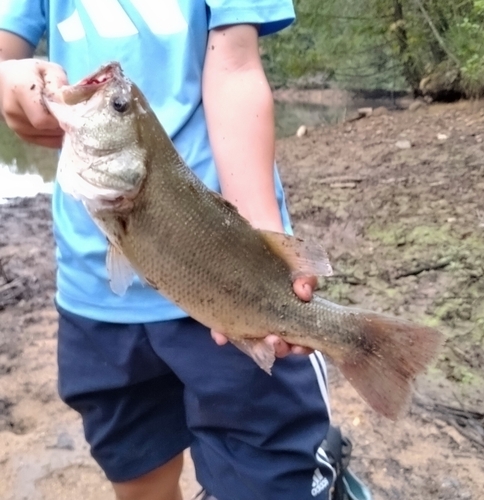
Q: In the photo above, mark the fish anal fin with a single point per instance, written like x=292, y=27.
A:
x=120, y=272
x=262, y=353
x=303, y=258
x=390, y=354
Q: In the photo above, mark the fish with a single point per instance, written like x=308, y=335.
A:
x=193, y=246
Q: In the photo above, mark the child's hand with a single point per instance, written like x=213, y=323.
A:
x=21, y=103
x=303, y=288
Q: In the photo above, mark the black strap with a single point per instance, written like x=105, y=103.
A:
x=338, y=450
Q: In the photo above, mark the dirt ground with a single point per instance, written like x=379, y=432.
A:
x=397, y=199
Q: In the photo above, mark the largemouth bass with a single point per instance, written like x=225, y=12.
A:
x=198, y=251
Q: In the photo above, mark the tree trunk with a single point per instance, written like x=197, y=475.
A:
x=410, y=72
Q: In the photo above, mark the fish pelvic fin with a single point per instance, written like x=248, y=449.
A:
x=120, y=272
x=303, y=258
x=263, y=354
x=390, y=354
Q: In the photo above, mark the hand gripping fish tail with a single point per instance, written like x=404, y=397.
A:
x=166, y=226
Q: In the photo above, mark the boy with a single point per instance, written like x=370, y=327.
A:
x=148, y=381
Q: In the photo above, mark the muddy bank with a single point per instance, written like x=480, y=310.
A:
x=397, y=200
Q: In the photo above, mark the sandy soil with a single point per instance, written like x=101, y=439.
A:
x=397, y=200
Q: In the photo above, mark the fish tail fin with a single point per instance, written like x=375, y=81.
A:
x=390, y=353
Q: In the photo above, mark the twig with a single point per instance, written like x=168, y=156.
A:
x=3, y=274
x=460, y=354
x=12, y=284
x=468, y=455
x=464, y=432
x=423, y=267
x=469, y=423
x=347, y=278
x=339, y=179
x=10, y=291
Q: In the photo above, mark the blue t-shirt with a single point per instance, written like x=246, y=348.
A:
x=161, y=47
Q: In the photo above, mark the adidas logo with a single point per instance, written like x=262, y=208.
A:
x=320, y=483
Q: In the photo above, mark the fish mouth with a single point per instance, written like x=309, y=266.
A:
x=87, y=93
x=87, y=87
x=84, y=89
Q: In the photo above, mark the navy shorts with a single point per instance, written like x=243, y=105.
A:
x=148, y=391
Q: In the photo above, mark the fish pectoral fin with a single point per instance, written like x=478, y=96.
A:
x=263, y=354
x=303, y=258
x=120, y=272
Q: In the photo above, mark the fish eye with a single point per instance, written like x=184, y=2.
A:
x=119, y=104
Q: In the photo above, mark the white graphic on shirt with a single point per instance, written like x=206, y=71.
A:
x=111, y=20
x=71, y=28
x=163, y=18
x=320, y=483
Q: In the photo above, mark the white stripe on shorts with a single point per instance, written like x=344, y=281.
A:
x=319, y=366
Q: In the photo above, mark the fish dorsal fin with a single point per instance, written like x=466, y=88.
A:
x=120, y=272
x=262, y=353
x=303, y=258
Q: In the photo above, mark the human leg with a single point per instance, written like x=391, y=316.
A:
x=255, y=436
x=131, y=404
x=159, y=484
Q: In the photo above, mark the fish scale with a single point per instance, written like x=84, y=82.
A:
x=235, y=271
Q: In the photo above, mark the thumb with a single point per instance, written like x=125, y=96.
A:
x=304, y=287
x=219, y=338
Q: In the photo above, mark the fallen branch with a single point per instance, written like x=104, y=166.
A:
x=460, y=354
x=11, y=291
x=348, y=278
x=469, y=423
x=423, y=267
x=3, y=274
x=340, y=179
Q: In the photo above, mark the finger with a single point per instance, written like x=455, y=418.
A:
x=303, y=287
x=219, y=338
x=47, y=76
x=299, y=350
x=281, y=348
x=23, y=126
x=54, y=142
x=41, y=119
x=33, y=113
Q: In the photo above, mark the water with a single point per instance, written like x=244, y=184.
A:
x=291, y=115
x=26, y=170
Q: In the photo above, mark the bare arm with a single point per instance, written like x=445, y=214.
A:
x=239, y=108
x=21, y=82
x=14, y=47
x=240, y=117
